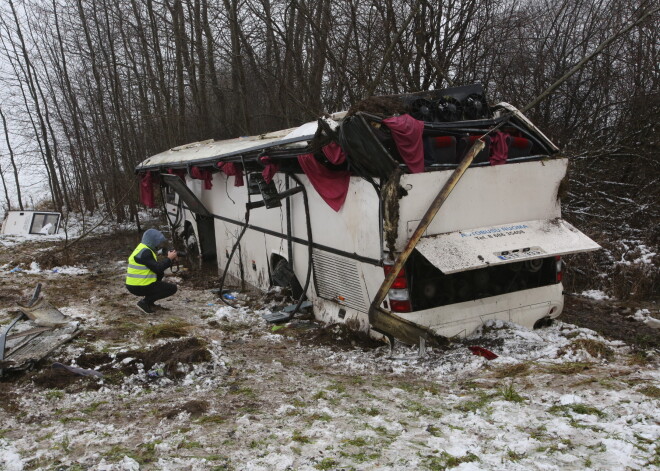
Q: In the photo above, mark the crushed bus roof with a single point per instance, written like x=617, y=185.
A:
x=212, y=150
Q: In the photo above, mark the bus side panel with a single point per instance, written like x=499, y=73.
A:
x=354, y=229
x=256, y=246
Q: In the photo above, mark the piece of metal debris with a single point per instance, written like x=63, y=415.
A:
x=76, y=370
x=23, y=352
x=285, y=313
x=44, y=314
x=44, y=330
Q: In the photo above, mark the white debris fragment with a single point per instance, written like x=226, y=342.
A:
x=596, y=294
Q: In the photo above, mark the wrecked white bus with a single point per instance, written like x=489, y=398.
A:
x=329, y=209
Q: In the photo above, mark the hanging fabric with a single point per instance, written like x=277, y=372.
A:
x=331, y=185
x=147, y=181
x=179, y=172
x=232, y=169
x=199, y=173
x=270, y=169
x=334, y=153
x=499, y=149
x=407, y=135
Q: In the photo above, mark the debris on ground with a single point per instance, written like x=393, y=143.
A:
x=207, y=386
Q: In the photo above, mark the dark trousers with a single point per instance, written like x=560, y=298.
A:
x=154, y=291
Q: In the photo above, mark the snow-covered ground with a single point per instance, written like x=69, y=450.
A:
x=308, y=397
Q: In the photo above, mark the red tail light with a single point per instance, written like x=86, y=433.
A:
x=400, y=306
x=400, y=282
x=398, y=293
x=558, y=270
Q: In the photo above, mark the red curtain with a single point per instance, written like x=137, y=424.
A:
x=147, y=180
x=199, y=173
x=270, y=170
x=232, y=169
x=334, y=153
x=499, y=149
x=331, y=185
x=407, y=135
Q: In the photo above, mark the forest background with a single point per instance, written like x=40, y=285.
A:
x=89, y=88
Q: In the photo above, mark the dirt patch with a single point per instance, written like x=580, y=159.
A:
x=195, y=408
x=93, y=360
x=8, y=398
x=185, y=351
x=172, y=327
x=610, y=320
x=56, y=378
x=9, y=295
x=89, y=250
x=93, y=335
x=337, y=336
x=593, y=347
x=380, y=106
x=204, y=276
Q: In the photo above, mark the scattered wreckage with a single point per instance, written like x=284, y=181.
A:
x=31, y=222
x=343, y=212
x=37, y=330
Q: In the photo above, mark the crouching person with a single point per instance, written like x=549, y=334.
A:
x=145, y=273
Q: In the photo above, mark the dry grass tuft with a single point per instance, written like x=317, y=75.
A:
x=569, y=368
x=651, y=391
x=171, y=328
x=640, y=358
x=595, y=348
x=510, y=371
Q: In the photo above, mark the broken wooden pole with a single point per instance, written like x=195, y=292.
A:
x=388, y=322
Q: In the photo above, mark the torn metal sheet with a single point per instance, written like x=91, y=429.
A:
x=44, y=314
x=506, y=243
x=76, y=370
x=22, y=351
x=30, y=341
x=285, y=313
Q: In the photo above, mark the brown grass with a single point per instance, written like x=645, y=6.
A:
x=595, y=348
x=640, y=358
x=651, y=391
x=509, y=371
x=568, y=368
x=636, y=281
x=171, y=328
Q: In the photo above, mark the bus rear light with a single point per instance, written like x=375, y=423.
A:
x=400, y=282
x=398, y=294
x=558, y=269
x=400, y=306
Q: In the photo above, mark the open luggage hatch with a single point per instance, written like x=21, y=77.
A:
x=487, y=246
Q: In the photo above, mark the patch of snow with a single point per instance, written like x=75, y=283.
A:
x=66, y=270
x=641, y=314
x=570, y=399
x=126, y=464
x=10, y=460
x=596, y=294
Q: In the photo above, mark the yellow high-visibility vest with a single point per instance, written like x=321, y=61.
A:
x=140, y=275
